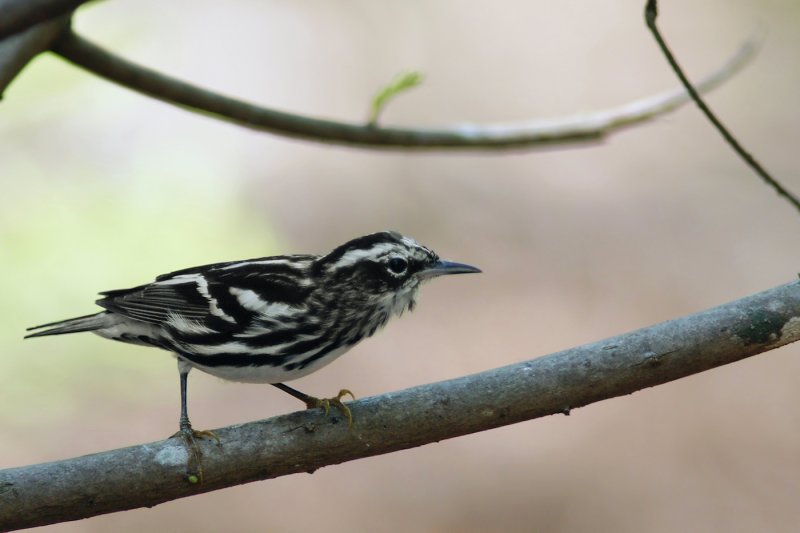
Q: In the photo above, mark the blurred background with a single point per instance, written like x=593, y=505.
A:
x=104, y=189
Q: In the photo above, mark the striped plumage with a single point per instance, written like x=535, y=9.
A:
x=271, y=319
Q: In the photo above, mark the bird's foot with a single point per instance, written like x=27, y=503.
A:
x=194, y=465
x=326, y=403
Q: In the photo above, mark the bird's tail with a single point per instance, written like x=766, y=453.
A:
x=73, y=325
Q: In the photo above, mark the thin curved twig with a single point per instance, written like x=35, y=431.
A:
x=532, y=134
x=149, y=474
x=650, y=16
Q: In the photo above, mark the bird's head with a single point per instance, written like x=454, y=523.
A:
x=385, y=267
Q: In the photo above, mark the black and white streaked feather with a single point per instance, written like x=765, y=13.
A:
x=271, y=319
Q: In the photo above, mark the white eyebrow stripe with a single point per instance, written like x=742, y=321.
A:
x=411, y=243
x=352, y=257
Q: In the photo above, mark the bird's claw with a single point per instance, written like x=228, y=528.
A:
x=205, y=434
x=194, y=466
x=326, y=403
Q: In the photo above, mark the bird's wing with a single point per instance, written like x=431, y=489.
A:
x=158, y=301
x=219, y=296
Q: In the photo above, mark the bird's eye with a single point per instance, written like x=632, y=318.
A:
x=397, y=265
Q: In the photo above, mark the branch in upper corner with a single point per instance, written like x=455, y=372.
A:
x=650, y=15
x=18, y=50
x=533, y=134
x=154, y=473
x=18, y=15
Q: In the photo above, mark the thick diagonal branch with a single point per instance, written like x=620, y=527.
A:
x=150, y=474
x=540, y=133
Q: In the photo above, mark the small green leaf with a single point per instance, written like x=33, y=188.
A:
x=402, y=82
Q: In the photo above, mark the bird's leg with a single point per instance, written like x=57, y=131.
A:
x=323, y=403
x=194, y=465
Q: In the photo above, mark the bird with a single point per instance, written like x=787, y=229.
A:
x=267, y=320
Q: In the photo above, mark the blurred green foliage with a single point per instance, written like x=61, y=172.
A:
x=70, y=227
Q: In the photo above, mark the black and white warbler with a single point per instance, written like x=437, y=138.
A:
x=271, y=319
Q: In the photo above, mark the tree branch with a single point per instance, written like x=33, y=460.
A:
x=580, y=128
x=149, y=474
x=650, y=16
x=19, y=15
x=16, y=51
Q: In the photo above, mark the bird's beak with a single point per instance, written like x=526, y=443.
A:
x=443, y=268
